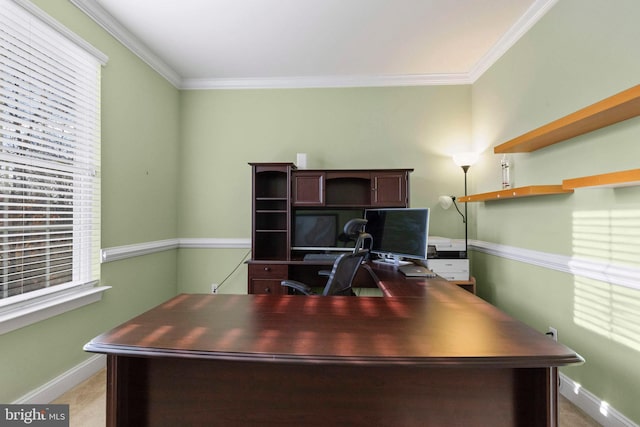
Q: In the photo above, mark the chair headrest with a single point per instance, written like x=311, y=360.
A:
x=354, y=227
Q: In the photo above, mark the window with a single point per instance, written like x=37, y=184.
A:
x=49, y=159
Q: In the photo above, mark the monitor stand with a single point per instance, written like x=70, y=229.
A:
x=391, y=260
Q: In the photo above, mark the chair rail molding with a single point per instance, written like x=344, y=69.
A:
x=215, y=243
x=117, y=253
x=614, y=274
x=137, y=249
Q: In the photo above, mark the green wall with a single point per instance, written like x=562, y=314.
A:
x=140, y=129
x=392, y=127
x=577, y=54
x=175, y=165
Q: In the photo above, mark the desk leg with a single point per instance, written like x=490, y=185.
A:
x=112, y=392
x=127, y=399
x=552, y=391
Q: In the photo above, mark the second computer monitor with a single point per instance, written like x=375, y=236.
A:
x=399, y=232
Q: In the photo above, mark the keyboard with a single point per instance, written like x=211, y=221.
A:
x=412, y=270
x=321, y=257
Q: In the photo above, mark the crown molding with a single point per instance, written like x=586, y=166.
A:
x=131, y=42
x=328, y=81
x=536, y=11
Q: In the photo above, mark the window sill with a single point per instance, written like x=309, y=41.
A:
x=24, y=310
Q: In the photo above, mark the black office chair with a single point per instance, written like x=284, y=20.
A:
x=340, y=279
x=354, y=231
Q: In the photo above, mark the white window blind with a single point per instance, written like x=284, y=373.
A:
x=49, y=157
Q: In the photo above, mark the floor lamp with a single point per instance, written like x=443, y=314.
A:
x=465, y=161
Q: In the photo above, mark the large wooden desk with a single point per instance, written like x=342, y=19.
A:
x=444, y=359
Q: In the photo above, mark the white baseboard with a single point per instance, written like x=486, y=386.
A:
x=596, y=408
x=55, y=388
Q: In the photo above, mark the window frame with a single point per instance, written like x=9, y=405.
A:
x=24, y=309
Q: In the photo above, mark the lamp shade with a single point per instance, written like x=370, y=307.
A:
x=465, y=159
x=445, y=201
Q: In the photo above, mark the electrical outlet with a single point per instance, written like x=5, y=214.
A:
x=214, y=288
x=553, y=333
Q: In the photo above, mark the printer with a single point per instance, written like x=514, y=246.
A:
x=448, y=258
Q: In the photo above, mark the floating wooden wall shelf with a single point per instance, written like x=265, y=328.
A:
x=614, y=109
x=613, y=179
x=512, y=193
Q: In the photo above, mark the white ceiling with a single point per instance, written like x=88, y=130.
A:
x=293, y=43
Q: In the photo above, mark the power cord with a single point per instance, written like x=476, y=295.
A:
x=244, y=258
x=453, y=199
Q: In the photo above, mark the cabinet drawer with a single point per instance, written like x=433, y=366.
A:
x=267, y=271
x=448, y=265
x=266, y=287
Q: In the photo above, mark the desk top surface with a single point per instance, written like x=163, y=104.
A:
x=447, y=326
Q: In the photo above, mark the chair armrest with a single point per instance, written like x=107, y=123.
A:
x=298, y=286
x=324, y=273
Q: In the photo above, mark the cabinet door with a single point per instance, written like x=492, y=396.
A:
x=308, y=188
x=389, y=189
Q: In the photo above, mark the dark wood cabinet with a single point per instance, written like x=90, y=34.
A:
x=280, y=190
x=351, y=188
x=308, y=188
x=271, y=211
x=266, y=278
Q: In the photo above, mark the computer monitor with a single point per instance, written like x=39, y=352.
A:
x=322, y=230
x=398, y=233
x=315, y=231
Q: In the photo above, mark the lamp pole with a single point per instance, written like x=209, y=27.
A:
x=465, y=168
x=465, y=161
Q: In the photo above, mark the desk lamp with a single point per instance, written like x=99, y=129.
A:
x=465, y=161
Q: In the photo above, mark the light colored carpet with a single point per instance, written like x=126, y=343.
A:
x=87, y=402
x=87, y=406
